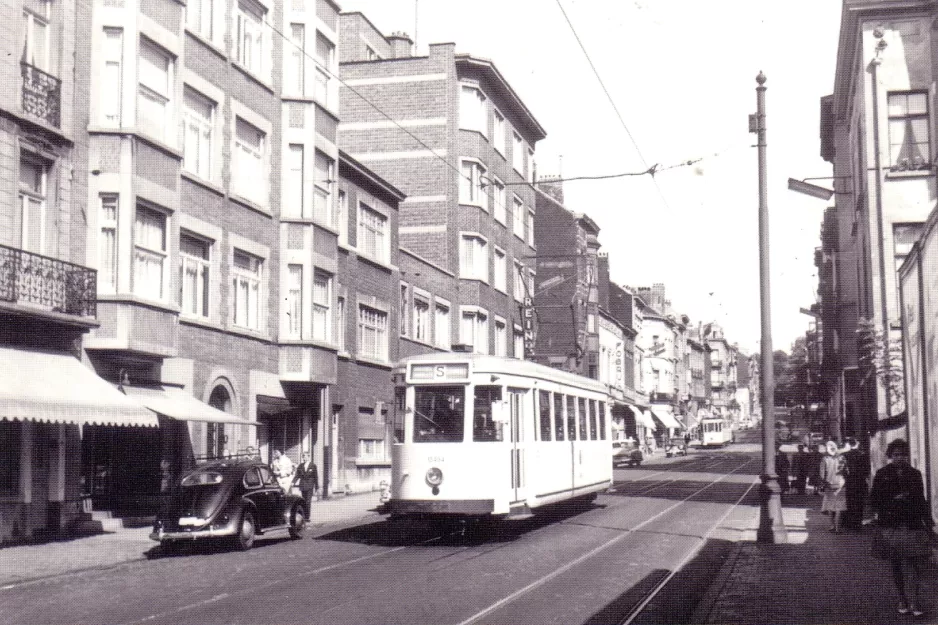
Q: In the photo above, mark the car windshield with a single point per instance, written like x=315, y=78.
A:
x=201, y=478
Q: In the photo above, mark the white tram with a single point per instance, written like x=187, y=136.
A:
x=484, y=436
x=715, y=431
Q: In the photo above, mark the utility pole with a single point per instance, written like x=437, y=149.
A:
x=771, y=524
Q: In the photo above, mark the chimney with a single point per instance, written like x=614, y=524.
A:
x=401, y=45
x=552, y=186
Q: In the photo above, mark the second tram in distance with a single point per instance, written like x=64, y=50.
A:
x=715, y=431
x=484, y=436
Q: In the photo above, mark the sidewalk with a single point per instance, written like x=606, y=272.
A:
x=817, y=577
x=29, y=562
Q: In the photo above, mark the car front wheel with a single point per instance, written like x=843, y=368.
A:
x=297, y=521
x=244, y=539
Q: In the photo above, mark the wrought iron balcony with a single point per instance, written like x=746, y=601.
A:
x=42, y=94
x=47, y=283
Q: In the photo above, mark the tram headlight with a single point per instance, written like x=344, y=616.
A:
x=434, y=476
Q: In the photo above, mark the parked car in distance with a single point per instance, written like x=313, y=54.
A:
x=235, y=500
x=675, y=447
x=626, y=452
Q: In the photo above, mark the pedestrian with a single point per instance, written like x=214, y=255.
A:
x=814, y=467
x=903, y=524
x=858, y=474
x=306, y=479
x=801, y=465
x=833, y=481
x=282, y=468
x=782, y=468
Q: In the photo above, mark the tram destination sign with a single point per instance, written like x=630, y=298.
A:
x=439, y=372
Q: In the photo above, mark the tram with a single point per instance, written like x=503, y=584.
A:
x=487, y=437
x=715, y=431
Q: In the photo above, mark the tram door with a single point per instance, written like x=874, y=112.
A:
x=518, y=400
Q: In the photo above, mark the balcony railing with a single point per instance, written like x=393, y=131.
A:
x=42, y=94
x=47, y=283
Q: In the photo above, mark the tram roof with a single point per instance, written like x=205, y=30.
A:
x=482, y=363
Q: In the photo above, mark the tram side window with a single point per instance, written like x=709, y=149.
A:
x=558, y=417
x=602, y=420
x=581, y=404
x=438, y=414
x=544, y=397
x=571, y=417
x=592, y=405
x=484, y=428
x=400, y=393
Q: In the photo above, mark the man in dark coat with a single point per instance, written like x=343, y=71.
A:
x=858, y=473
x=306, y=479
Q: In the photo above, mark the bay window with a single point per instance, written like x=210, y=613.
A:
x=473, y=257
x=471, y=185
x=107, y=242
x=474, y=329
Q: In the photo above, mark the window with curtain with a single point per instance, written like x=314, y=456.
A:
x=107, y=243
x=518, y=282
x=33, y=181
x=112, y=53
x=322, y=306
x=154, y=91
x=246, y=282
x=295, y=70
x=372, y=333
x=194, y=273
x=198, y=119
x=909, y=137
x=249, y=173
x=149, y=253
x=473, y=258
x=199, y=17
x=294, y=301
x=373, y=239
x=471, y=187
x=293, y=205
x=36, y=44
x=250, y=41
x=421, y=316
x=441, y=325
x=472, y=109
x=322, y=194
x=325, y=59
x=475, y=330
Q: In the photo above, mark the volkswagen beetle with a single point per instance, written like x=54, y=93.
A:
x=234, y=500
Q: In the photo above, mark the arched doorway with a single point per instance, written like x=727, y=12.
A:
x=215, y=438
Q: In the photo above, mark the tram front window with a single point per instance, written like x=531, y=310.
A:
x=484, y=428
x=438, y=414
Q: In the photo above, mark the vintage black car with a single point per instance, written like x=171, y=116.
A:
x=235, y=500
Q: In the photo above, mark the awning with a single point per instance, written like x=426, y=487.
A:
x=642, y=417
x=57, y=388
x=665, y=415
x=176, y=403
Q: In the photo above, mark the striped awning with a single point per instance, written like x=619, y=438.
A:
x=666, y=416
x=57, y=388
x=178, y=404
x=643, y=417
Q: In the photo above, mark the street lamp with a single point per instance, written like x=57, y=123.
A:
x=771, y=524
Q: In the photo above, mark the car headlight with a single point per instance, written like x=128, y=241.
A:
x=434, y=476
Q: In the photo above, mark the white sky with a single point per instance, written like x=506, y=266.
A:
x=682, y=75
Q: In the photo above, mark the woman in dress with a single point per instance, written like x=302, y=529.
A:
x=903, y=523
x=833, y=482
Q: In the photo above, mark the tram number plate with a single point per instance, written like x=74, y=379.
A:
x=436, y=459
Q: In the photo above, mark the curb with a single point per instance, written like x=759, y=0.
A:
x=705, y=606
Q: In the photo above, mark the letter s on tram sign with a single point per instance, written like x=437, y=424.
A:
x=440, y=371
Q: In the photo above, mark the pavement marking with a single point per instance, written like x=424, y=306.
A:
x=625, y=533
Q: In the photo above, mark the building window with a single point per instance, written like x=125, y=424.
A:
x=112, y=51
x=249, y=173
x=405, y=306
x=441, y=324
x=475, y=330
x=33, y=182
x=421, y=319
x=518, y=335
x=325, y=58
x=198, y=122
x=372, y=333
x=518, y=282
x=342, y=217
x=293, y=205
x=517, y=153
x=247, y=282
x=194, y=272
x=149, y=253
x=473, y=258
x=472, y=111
x=471, y=187
x=501, y=338
x=322, y=195
x=500, y=270
x=517, y=217
x=530, y=177
x=10, y=433
x=250, y=43
x=373, y=240
x=294, y=301
x=155, y=89
x=499, y=136
x=295, y=70
x=908, y=131
x=322, y=306
x=500, y=200
x=36, y=45
x=107, y=244
x=371, y=449
x=342, y=321
x=529, y=223
x=200, y=16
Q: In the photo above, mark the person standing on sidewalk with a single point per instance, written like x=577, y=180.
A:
x=801, y=467
x=903, y=523
x=833, y=481
x=858, y=473
x=307, y=480
x=782, y=467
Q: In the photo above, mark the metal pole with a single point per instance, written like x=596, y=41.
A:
x=771, y=524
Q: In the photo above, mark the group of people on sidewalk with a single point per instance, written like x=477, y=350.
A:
x=903, y=528
x=305, y=476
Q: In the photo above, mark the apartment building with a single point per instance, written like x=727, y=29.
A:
x=447, y=130
x=876, y=130
x=723, y=381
